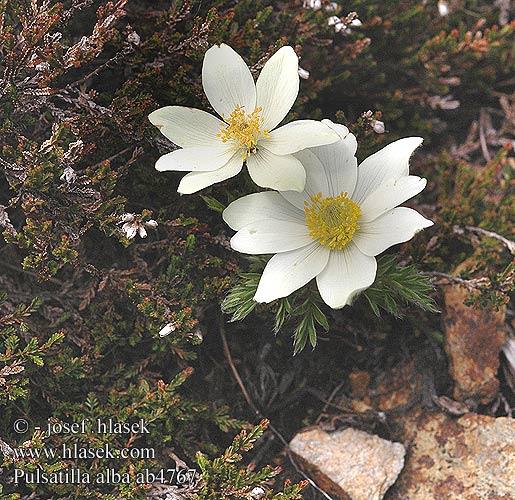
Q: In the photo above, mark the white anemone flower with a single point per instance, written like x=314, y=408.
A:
x=332, y=230
x=214, y=150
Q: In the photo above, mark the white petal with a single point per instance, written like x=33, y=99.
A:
x=298, y=135
x=127, y=218
x=195, y=181
x=389, y=195
x=289, y=271
x=130, y=230
x=277, y=86
x=347, y=273
x=343, y=132
x=391, y=162
x=396, y=226
x=192, y=159
x=339, y=162
x=187, y=127
x=261, y=206
x=316, y=180
x=166, y=330
x=227, y=81
x=142, y=232
x=276, y=172
x=271, y=236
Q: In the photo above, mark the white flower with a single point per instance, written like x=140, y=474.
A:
x=378, y=126
x=142, y=231
x=443, y=8
x=312, y=4
x=339, y=25
x=127, y=218
x=43, y=66
x=134, y=38
x=331, y=7
x=257, y=492
x=69, y=176
x=333, y=229
x=167, y=329
x=336, y=22
x=303, y=73
x=132, y=226
x=130, y=229
x=214, y=150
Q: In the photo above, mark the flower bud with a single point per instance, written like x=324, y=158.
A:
x=142, y=231
x=303, y=73
x=443, y=8
x=68, y=175
x=127, y=218
x=257, y=492
x=130, y=229
x=378, y=127
x=152, y=224
x=167, y=329
x=312, y=4
x=134, y=38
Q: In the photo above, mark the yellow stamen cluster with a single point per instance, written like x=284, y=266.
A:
x=244, y=129
x=332, y=221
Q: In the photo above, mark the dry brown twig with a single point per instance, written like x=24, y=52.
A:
x=505, y=241
x=446, y=279
x=258, y=413
x=475, y=283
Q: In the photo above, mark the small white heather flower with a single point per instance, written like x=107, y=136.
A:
x=127, y=218
x=336, y=22
x=131, y=226
x=69, y=176
x=339, y=25
x=215, y=150
x=303, y=73
x=257, y=492
x=331, y=7
x=142, y=231
x=134, y=38
x=445, y=102
x=167, y=329
x=197, y=334
x=130, y=229
x=443, y=8
x=312, y=4
x=333, y=230
x=378, y=127
x=42, y=66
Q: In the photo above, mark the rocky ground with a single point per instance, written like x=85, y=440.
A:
x=443, y=447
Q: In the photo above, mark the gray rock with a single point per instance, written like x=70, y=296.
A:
x=349, y=464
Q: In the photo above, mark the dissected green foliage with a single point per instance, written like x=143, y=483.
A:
x=394, y=288
x=398, y=285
